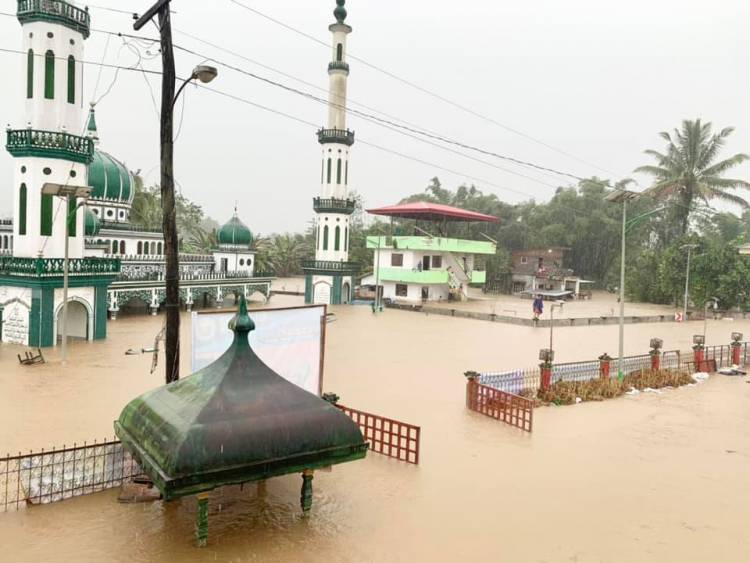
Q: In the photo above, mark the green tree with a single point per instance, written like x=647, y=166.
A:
x=688, y=171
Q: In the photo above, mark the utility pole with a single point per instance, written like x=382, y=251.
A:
x=689, y=248
x=169, y=223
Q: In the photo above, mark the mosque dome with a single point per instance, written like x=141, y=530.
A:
x=109, y=178
x=92, y=223
x=234, y=233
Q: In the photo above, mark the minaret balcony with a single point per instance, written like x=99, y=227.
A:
x=329, y=266
x=55, y=267
x=333, y=205
x=50, y=144
x=339, y=65
x=55, y=11
x=343, y=136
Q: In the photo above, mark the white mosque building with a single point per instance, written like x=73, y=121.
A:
x=111, y=261
x=329, y=278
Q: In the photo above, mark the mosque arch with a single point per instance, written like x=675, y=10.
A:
x=71, y=79
x=49, y=75
x=337, y=238
x=325, y=237
x=30, y=74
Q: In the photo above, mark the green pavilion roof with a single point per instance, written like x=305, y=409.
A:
x=234, y=421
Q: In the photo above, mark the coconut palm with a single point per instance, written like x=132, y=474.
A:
x=688, y=170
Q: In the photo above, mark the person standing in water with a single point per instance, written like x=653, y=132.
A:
x=538, y=307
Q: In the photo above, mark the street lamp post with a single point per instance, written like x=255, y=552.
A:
x=689, y=248
x=559, y=304
x=169, y=223
x=70, y=193
x=622, y=196
x=710, y=301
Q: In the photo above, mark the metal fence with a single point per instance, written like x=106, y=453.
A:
x=57, y=474
x=505, y=407
x=513, y=381
x=389, y=437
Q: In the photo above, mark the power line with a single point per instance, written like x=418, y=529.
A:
x=426, y=91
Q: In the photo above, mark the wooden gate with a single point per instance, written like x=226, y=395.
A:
x=506, y=407
x=389, y=437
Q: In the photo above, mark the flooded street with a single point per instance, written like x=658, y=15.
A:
x=648, y=478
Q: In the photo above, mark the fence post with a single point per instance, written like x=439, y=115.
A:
x=699, y=354
x=471, y=389
x=605, y=363
x=547, y=356
x=736, y=348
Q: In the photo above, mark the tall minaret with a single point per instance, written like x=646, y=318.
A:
x=329, y=279
x=50, y=147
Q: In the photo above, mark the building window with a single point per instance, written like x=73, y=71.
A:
x=71, y=80
x=437, y=261
x=336, y=238
x=159, y=248
x=114, y=247
x=325, y=237
x=46, y=212
x=402, y=290
x=328, y=181
x=49, y=75
x=397, y=260
x=524, y=259
x=30, y=74
x=346, y=173
x=139, y=248
x=122, y=247
x=242, y=262
x=340, y=52
x=322, y=170
x=346, y=239
x=22, y=194
x=72, y=207
x=338, y=171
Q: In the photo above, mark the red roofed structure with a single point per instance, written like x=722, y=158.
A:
x=428, y=211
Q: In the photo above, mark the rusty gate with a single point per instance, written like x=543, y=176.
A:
x=506, y=407
x=389, y=437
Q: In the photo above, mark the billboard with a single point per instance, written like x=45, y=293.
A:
x=289, y=340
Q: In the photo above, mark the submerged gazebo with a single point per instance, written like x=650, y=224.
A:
x=235, y=421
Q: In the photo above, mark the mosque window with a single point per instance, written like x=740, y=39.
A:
x=22, y=194
x=49, y=75
x=339, y=52
x=242, y=261
x=46, y=215
x=337, y=238
x=346, y=239
x=73, y=174
x=139, y=247
x=47, y=171
x=325, y=237
x=122, y=247
x=71, y=80
x=329, y=171
x=159, y=249
x=30, y=74
x=338, y=171
x=322, y=170
x=346, y=173
x=72, y=205
x=114, y=247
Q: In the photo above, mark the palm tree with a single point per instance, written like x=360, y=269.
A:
x=688, y=170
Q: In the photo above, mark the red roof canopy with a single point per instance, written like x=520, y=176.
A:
x=432, y=212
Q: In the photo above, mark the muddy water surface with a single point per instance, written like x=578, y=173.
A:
x=646, y=478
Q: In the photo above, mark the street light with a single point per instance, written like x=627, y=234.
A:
x=204, y=73
x=689, y=248
x=622, y=196
x=69, y=193
x=559, y=304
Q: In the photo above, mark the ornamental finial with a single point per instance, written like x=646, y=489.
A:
x=241, y=323
x=340, y=11
x=91, y=126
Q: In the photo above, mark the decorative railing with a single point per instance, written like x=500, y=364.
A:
x=55, y=11
x=343, y=136
x=338, y=65
x=6, y=222
x=330, y=265
x=50, y=144
x=333, y=205
x=104, y=224
x=204, y=258
x=54, y=267
x=199, y=277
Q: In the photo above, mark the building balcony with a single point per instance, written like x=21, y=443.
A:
x=54, y=267
x=49, y=144
x=55, y=11
x=333, y=205
x=425, y=277
x=329, y=266
x=338, y=65
x=432, y=244
x=343, y=136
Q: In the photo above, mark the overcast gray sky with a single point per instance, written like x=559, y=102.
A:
x=594, y=79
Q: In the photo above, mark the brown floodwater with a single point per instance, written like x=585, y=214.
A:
x=653, y=478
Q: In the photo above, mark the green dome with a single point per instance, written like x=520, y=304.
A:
x=235, y=233
x=110, y=179
x=92, y=223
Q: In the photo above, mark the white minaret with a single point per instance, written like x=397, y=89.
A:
x=50, y=145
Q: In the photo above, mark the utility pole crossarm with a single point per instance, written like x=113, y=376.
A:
x=149, y=15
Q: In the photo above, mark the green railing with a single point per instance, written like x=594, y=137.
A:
x=333, y=205
x=50, y=144
x=55, y=11
x=338, y=65
x=343, y=136
x=330, y=265
x=432, y=244
x=54, y=267
x=406, y=275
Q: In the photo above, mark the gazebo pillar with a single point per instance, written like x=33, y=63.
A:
x=306, y=497
x=201, y=522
